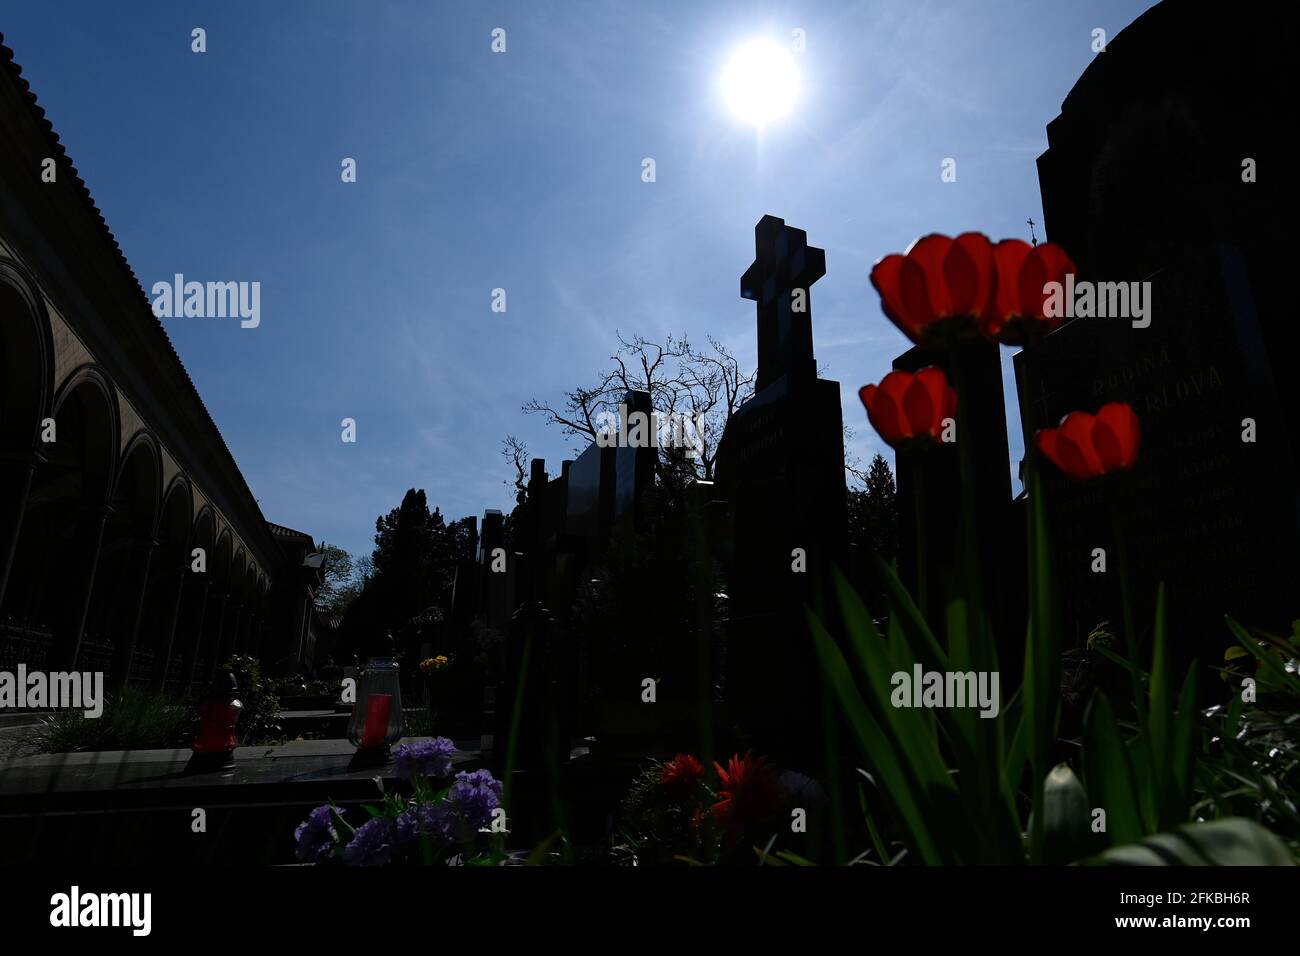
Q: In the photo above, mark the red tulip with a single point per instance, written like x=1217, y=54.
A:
x=1085, y=446
x=909, y=408
x=1023, y=272
x=939, y=290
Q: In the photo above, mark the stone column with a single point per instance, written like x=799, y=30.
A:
x=135, y=588
x=168, y=635
x=15, y=484
x=83, y=564
x=232, y=641
x=223, y=602
x=204, y=588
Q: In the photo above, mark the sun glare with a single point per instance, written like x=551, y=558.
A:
x=760, y=82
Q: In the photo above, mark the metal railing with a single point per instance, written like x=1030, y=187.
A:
x=20, y=644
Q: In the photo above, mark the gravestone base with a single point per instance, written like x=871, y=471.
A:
x=782, y=470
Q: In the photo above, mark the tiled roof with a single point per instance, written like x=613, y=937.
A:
x=280, y=531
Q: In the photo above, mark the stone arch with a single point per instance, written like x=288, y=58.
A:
x=166, y=590
x=57, y=556
x=86, y=405
x=138, y=482
x=26, y=377
x=198, y=604
x=237, y=611
x=26, y=359
x=205, y=532
x=220, y=606
x=126, y=558
x=245, y=641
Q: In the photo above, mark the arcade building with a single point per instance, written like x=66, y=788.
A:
x=130, y=542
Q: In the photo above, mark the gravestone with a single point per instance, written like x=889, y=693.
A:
x=780, y=466
x=1145, y=180
x=634, y=466
x=590, y=513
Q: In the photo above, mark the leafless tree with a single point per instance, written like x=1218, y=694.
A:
x=854, y=470
x=516, y=452
x=704, y=385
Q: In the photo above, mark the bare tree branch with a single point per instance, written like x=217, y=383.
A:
x=706, y=386
x=516, y=452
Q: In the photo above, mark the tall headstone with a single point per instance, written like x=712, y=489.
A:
x=532, y=679
x=780, y=467
x=590, y=513
x=1150, y=177
x=634, y=464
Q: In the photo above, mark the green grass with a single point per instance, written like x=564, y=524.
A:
x=132, y=720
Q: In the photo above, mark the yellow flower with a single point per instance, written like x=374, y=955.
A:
x=431, y=664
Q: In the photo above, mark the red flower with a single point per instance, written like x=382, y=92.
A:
x=749, y=792
x=681, y=775
x=909, y=408
x=1023, y=272
x=940, y=289
x=1085, y=446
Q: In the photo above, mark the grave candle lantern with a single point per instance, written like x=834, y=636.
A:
x=376, y=722
x=214, y=747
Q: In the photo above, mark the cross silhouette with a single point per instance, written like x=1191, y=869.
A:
x=783, y=263
x=1032, y=238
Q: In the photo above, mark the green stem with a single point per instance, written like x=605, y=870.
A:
x=1130, y=619
x=515, y=716
x=922, y=569
x=969, y=577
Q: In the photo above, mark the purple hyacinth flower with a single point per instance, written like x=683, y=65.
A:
x=316, y=836
x=429, y=758
x=372, y=844
x=434, y=820
x=474, y=796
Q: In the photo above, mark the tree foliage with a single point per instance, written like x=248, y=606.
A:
x=344, y=579
x=415, y=559
x=873, y=512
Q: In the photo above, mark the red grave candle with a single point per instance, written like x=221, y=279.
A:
x=378, y=707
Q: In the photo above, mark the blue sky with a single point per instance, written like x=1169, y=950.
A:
x=520, y=170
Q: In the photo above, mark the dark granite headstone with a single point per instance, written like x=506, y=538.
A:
x=1144, y=181
x=780, y=467
x=634, y=466
x=591, y=493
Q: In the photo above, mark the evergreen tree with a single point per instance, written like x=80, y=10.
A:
x=873, y=512
x=415, y=558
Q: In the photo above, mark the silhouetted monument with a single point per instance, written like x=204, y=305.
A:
x=781, y=468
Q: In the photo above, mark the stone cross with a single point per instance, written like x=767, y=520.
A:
x=780, y=281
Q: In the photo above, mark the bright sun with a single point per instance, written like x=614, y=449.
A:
x=760, y=82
